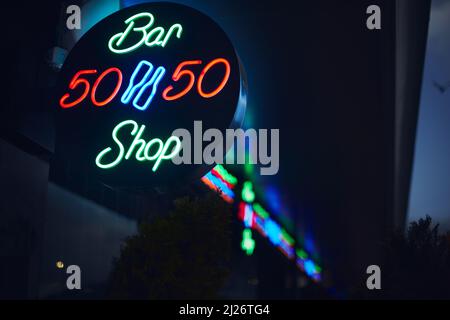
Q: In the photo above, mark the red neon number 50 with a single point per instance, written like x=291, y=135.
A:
x=77, y=81
x=178, y=73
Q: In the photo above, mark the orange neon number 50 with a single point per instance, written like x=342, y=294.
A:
x=179, y=73
x=77, y=81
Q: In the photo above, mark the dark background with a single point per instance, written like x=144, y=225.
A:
x=314, y=71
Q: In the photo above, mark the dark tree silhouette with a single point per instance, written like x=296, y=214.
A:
x=417, y=264
x=183, y=255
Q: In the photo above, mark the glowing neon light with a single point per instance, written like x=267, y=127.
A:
x=215, y=188
x=226, y=194
x=316, y=277
x=286, y=249
x=287, y=238
x=116, y=40
x=160, y=155
x=255, y=217
x=97, y=82
x=121, y=148
x=250, y=219
x=154, y=81
x=158, y=40
x=247, y=193
x=75, y=82
x=259, y=226
x=318, y=269
x=143, y=84
x=160, y=30
x=163, y=156
x=241, y=210
x=219, y=172
x=301, y=264
x=131, y=89
x=219, y=185
x=247, y=244
x=260, y=211
x=225, y=174
x=223, y=187
x=301, y=254
x=122, y=35
x=248, y=216
x=273, y=231
x=169, y=33
x=310, y=267
x=289, y=251
x=177, y=74
x=216, y=174
x=221, y=85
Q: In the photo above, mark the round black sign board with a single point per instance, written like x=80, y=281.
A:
x=139, y=74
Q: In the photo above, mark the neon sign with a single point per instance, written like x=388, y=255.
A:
x=77, y=81
x=154, y=37
x=143, y=152
x=179, y=73
x=150, y=78
x=247, y=192
x=255, y=217
x=247, y=244
x=147, y=70
x=143, y=84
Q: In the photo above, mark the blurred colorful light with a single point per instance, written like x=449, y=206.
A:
x=255, y=217
x=247, y=192
x=247, y=244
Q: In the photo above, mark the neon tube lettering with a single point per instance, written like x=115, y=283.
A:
x=179, y=72
x=163, y=156
x=221, y=85
x=143, y=84
x=169, y=33
x=116, y=40
x=75, y=82
x=154, y=81
x=165, y=151
x=97, y=82
x=100, y=156
x=129, y=93
x=158, y=40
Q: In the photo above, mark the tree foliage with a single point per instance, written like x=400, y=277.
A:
x=182, y=255
x=417, y=264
